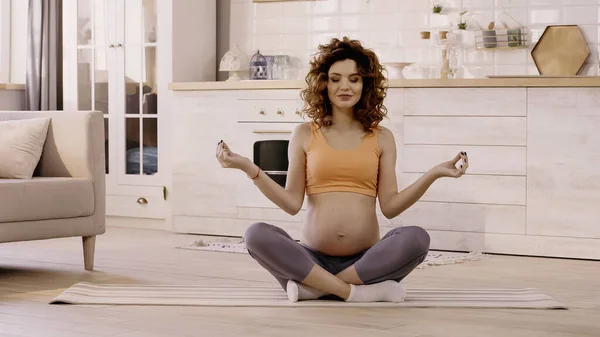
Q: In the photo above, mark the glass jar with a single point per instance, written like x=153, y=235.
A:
x=281, y=66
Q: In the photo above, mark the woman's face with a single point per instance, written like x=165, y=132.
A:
x=344, y=86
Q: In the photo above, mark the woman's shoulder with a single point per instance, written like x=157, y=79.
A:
x=303, y=129
x=385, y=137
x=302, y=134
x=384, y=132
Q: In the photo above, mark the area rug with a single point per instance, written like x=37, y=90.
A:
x=273, y=296
x=237, y=246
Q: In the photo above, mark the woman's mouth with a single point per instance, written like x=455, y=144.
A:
x=345, y=97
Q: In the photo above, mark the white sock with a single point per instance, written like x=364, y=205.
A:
x=386, y=291
x=297, y=292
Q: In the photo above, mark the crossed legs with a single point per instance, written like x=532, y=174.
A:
x=398, y=253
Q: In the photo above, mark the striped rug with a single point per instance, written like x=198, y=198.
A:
x=272, y=296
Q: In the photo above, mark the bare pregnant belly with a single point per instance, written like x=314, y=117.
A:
x=341, y=223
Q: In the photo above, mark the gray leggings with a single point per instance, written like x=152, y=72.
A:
x=398, y=253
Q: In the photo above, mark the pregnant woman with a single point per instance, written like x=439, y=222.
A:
x=342, y=160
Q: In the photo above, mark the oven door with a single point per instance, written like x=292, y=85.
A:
x=271, y=156
x=266, y=145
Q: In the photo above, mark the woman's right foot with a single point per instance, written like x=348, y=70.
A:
x=386, y=291
x=297, y=291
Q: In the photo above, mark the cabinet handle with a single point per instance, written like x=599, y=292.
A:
x=280, y=112
x=111, y=45
x=297, y=112
x=272, y=131
x=262, y=112
x=119, y=45
x=142, y=201
x=277, y=173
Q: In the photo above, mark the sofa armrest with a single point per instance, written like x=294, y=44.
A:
x=74, y=148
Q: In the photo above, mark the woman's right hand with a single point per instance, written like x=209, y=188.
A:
x=229, y=159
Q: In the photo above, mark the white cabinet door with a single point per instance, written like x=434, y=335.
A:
x=109, y=65
x=563, y=156
x=490, y=124
x=201, y=187
x=89, y=65
x=136, y=94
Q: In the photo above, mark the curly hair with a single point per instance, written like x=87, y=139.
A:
x=369, y=111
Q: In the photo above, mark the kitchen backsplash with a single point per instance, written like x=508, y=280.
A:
x=392, y=28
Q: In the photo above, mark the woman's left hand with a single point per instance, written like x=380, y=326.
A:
x=449, y=169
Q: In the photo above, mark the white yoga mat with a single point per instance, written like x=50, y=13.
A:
x=272, y=296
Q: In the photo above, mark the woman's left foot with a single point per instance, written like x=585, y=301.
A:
x=386, y=291
x=297, y=291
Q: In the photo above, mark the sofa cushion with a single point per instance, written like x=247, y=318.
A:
x=21, y=145
x=45, y=198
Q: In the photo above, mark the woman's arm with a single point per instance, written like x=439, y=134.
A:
x=290, y=198
x=391, y=201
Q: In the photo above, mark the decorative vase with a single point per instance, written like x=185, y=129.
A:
x=234, y=61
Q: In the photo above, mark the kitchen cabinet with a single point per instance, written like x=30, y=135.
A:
x=118, y=58
x=110, y=64
x=227, y=195
x=563, y=160
x=528, y=191
x=490, y=125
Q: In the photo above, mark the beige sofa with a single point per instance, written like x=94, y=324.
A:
x=66, y=196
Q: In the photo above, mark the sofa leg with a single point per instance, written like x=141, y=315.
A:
x=89, y=244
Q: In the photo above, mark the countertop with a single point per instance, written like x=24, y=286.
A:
x=12, y=86
x=501, y=82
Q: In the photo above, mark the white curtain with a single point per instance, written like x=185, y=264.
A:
x=43, y=83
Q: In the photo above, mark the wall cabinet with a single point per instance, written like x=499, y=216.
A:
x=531, y=188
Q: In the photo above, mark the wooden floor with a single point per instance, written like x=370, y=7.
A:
x=32, y=273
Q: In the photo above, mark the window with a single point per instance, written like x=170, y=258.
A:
x=5, y=33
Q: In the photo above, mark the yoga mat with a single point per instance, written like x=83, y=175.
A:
x=273, y=296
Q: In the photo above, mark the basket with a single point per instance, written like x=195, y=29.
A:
x=503, y=38
x=511, y=38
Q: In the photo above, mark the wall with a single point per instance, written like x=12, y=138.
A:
x=18, y=47
x=194, y=40
x=223, y=25
x=391, y=28
x=12, y=99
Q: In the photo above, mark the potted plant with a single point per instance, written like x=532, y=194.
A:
x=437, y=9
x=462, y=24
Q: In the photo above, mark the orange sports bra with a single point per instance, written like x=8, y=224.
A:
x=333, y=170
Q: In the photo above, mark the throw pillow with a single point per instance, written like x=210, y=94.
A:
x=21, y=145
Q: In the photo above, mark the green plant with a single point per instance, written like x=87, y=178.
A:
x=462, y=24
x=437, y=9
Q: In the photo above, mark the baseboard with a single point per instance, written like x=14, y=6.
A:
x=138, y=223
x=512, y=244
x=492, y=243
